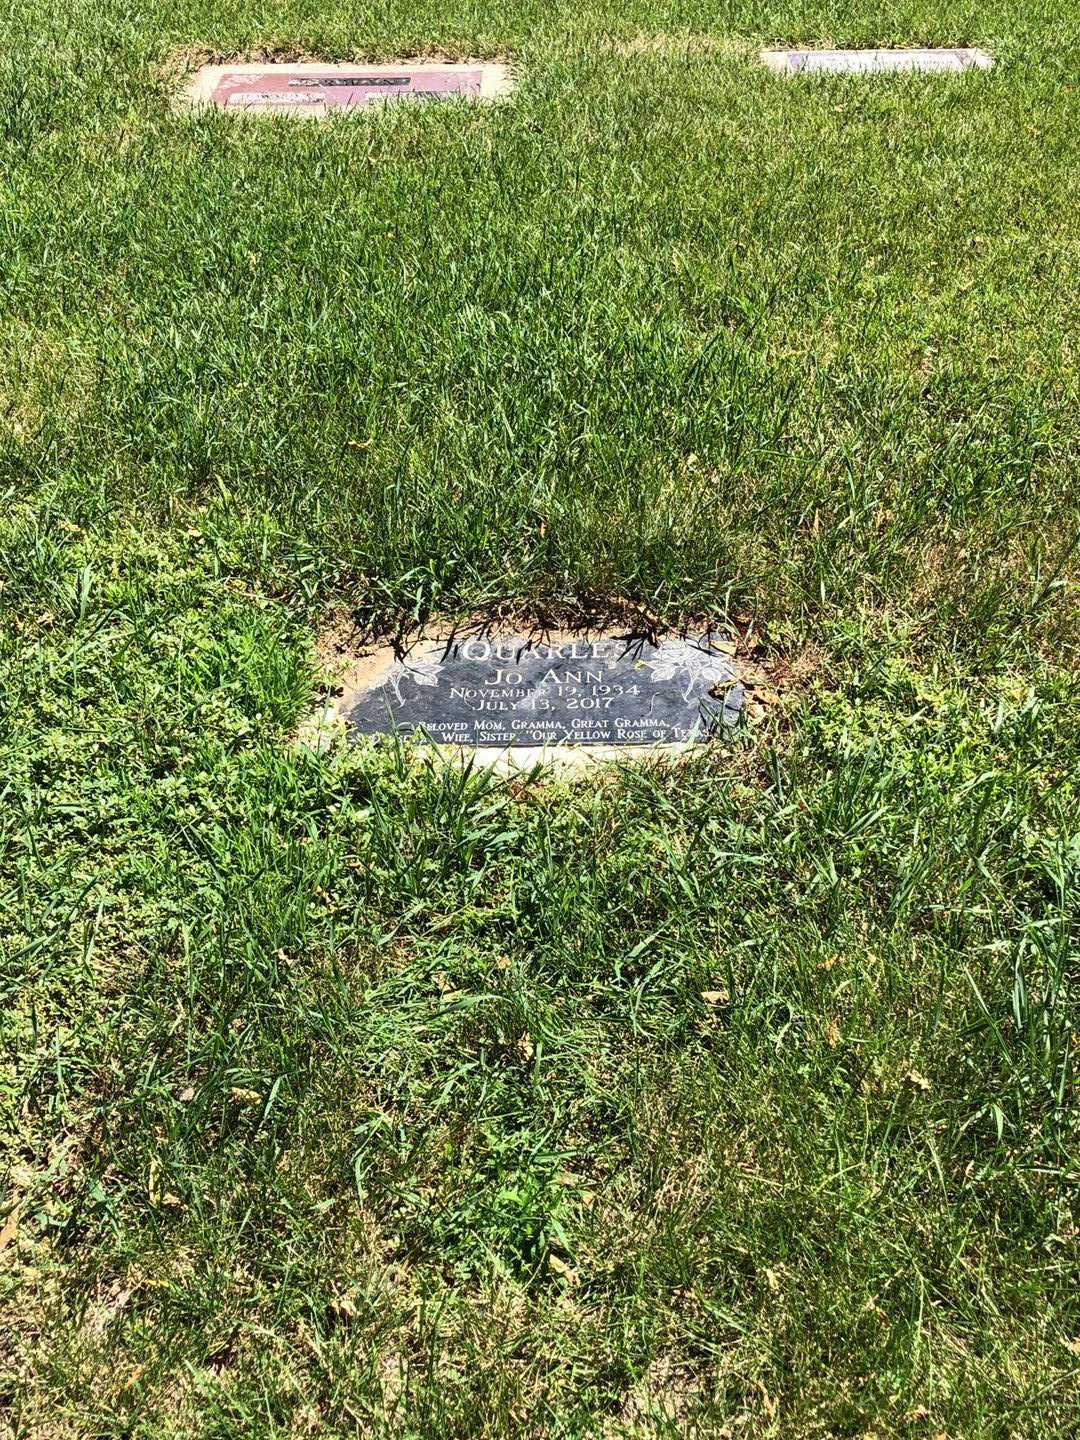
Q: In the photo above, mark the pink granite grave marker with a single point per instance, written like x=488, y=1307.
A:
x=314, y=89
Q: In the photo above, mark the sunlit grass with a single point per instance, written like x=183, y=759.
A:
x=358, y=1094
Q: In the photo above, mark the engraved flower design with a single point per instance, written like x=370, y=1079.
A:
x=420, y=672
x=685, y=657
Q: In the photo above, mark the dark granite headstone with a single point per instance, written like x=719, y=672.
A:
x=509, y=691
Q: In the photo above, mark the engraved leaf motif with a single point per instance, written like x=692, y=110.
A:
x=424, y=672
x=420, y=672
x=696, y=663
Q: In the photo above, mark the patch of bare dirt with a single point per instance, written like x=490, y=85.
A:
x=191, y=57
x=352, y=657
x=674, y=42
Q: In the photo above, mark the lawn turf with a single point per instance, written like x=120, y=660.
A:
x=358, y=1095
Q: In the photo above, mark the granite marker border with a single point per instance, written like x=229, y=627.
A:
x=202, y=92
x=876, y=62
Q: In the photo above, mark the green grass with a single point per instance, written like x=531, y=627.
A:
x=360, y=1095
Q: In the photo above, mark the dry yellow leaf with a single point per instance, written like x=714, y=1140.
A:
x=10, y=1229
x=560, y=1267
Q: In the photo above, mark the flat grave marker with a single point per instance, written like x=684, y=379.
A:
x=313, y=89
x=509, y=691
x=874, y=62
